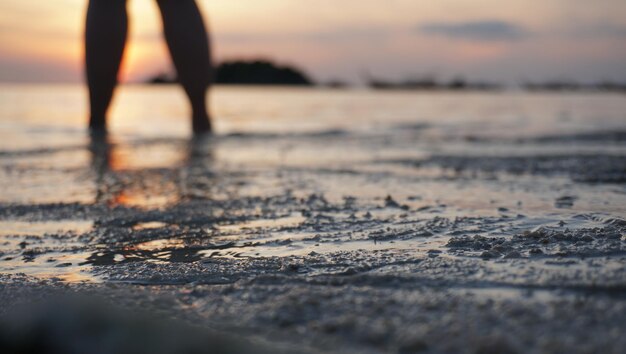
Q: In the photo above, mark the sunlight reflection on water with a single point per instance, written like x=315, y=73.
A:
x=345, y=146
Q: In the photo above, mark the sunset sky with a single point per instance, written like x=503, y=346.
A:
x=514, y=40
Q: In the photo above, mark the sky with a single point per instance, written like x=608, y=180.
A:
x=509, y=41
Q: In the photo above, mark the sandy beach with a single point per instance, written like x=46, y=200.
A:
x=319, y=220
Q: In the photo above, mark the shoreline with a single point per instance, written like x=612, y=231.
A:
x=478, y=233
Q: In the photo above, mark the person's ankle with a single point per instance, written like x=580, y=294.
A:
x=97, y=125
x=201, y=123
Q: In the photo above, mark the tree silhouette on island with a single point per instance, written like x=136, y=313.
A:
x=266, y=73
x=252, y=72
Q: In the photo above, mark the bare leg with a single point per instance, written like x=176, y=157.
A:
x=189, y=46
x=105, y=39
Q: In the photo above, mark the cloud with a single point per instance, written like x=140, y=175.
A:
x=341, y=36
x=337, y=35
x=484, y=30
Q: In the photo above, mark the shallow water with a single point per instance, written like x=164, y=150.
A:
x=336, y=221
x=295, y=172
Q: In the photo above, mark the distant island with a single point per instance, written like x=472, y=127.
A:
x=430, y=84
x=252, y=72
x=572, y=86
x=266, y=72
x=460, y=84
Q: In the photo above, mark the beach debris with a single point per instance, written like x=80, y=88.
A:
x=565, y=202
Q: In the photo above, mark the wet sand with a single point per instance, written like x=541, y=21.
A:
x=496, y=224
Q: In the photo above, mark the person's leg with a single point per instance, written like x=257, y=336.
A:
x=189, y=46
x=105, y=39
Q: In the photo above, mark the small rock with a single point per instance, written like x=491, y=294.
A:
x=390, y=203
x=565, y=202
x=513, y=255
x=536, y=251
x=490, y=254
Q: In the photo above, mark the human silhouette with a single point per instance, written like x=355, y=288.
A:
x=187, y=40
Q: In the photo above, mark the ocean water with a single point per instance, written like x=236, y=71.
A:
x=288, y=168
x=58, y=113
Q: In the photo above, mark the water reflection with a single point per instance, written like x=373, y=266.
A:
x=145, y=174
x=175, y=255
x=100, y=149
x=169, y=250
x=150, y=173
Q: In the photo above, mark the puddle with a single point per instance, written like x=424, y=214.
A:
x=52, y=249
x=66, y=266
x=16, y=236
x=418, y=247
x=150, y=225
x=514, y=294
x=179, y=250
x=158, y=245
x=27, y=228
x=292, y=220
x=37, y=249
